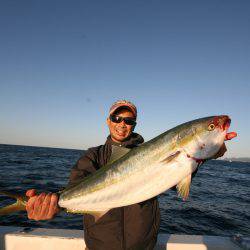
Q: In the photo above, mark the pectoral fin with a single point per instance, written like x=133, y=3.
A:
x=171, y=157
x=183, y=187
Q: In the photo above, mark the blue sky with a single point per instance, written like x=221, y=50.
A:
x=62, y=64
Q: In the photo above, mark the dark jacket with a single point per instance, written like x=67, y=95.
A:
x=131, y=227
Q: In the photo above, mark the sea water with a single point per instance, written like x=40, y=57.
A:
x=219, y=201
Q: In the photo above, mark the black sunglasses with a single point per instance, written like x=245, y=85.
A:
x=118, y=119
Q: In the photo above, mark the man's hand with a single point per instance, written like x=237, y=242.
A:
x=41, y=207
x=221, y=152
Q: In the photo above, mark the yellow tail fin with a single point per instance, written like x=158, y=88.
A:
x=19, y=205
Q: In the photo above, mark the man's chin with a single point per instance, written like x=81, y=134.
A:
x=121, y=137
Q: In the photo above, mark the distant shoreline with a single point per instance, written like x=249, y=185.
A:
x=241, y=159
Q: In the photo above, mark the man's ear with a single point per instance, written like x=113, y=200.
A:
x=133, y=127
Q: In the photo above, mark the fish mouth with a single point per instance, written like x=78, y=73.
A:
x=223, y=123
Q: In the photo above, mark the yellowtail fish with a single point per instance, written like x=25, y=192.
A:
x=146, y=171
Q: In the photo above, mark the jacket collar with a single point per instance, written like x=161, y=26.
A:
x=134, y=140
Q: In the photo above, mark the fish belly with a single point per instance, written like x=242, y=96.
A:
x=137, y=187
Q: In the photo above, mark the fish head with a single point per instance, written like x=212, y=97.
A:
x=207, y=136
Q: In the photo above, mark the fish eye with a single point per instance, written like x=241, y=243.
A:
x=211, y=127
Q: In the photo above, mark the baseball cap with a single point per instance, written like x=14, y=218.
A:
x=123, y=103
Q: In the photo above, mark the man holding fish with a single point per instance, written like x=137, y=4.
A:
x=128, y=225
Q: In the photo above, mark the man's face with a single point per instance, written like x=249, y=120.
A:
x=120, y=131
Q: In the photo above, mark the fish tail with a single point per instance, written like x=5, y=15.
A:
x=19, y=205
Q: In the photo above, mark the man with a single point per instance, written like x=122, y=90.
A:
x=131, y=227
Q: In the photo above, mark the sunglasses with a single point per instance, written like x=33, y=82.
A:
x=118, y=119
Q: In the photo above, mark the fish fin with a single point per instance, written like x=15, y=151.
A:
x=98, y=214
x=19, y=205
x=183, y=187
x=171, y=157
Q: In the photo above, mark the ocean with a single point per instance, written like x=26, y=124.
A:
x=219, y=201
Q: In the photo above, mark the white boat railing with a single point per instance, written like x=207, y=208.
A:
x=18, y=238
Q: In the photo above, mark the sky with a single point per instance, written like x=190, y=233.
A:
x=63, y=63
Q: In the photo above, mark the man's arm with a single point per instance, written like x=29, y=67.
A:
x=221, y=152
x=45, y=206
x=85, y=166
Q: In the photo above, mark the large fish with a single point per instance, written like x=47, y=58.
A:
x=146, y=171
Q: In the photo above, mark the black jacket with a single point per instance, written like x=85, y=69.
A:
x=131, y=227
